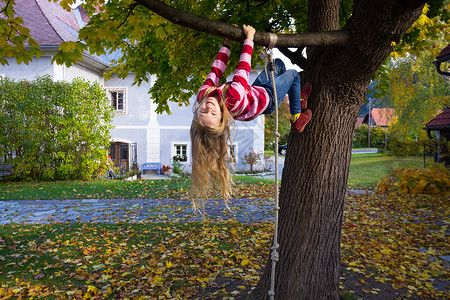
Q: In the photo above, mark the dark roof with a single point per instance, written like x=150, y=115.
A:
x=441, y=120
x=49, y=23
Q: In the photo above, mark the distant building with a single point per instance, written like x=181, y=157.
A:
x=382, y=117
x=440, y=125
x=359, y=122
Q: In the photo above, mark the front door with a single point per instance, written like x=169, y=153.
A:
x=119, y=156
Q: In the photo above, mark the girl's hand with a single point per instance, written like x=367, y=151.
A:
x=249, y=31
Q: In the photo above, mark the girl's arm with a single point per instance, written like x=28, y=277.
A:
x=240, y=84
x=217, y=69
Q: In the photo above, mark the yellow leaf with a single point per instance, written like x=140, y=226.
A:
x=67, y=46
x=395, y=54
x=92, y=289
x=168, y=264
x=385, y=251
x=245, y=262
x=412, y=288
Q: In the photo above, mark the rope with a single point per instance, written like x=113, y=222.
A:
x=274, y=255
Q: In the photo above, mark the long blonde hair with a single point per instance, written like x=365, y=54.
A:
x=210, y=154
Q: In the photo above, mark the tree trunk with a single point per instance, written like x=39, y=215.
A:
x=312, y=203
x=317, y=162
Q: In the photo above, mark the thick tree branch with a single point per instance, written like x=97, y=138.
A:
x=180, y=17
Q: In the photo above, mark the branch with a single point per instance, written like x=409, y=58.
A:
x=180, y=17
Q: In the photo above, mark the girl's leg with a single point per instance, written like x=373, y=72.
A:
x=289, y=83
x=265, y=79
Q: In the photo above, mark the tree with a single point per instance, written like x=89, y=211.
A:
x=346, y=46
x=417, y=93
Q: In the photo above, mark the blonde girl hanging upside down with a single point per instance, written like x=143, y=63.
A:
x=217, y=106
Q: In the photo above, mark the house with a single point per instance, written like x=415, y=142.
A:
x=359, y=122
x=381, y=117
x=139, y=134
x=440, y=125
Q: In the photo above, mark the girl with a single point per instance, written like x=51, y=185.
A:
x=217, y=106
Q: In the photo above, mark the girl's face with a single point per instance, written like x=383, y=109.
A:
x=209, y=112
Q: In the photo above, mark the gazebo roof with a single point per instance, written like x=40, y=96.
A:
x=440, y=121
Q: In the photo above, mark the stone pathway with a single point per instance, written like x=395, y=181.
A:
x=120, y=210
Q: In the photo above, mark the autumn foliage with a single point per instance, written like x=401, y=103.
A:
x=416, y=181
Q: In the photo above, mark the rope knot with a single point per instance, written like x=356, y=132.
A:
x=274, y=256
x=271, y=293
x=277, y=134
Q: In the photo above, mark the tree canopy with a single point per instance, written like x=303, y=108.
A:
x=417, y=93
x=154, y=43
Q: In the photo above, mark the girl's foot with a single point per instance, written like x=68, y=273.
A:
x=304, y=94
x=300, y=123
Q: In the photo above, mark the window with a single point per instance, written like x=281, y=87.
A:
x=233, y=153
x=232, y=150
x=181, y=151
x=118, y=99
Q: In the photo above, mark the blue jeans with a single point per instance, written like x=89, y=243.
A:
x=286, y=82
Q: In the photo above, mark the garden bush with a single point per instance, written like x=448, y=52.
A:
x=377, y=136
x=406, y=148
x=54, y=130
x=416, y=181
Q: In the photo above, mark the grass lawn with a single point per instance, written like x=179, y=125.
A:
x=367, y=169
x=365, y=172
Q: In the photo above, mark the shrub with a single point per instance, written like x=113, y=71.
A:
x=406, y=148
x=377, y=136
x=416, y=181
x=54, y=130
x=177, y=166
x=251, y=158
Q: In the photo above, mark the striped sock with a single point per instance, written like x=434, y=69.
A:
x=295, y=117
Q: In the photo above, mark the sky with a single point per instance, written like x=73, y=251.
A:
x=287, y=62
